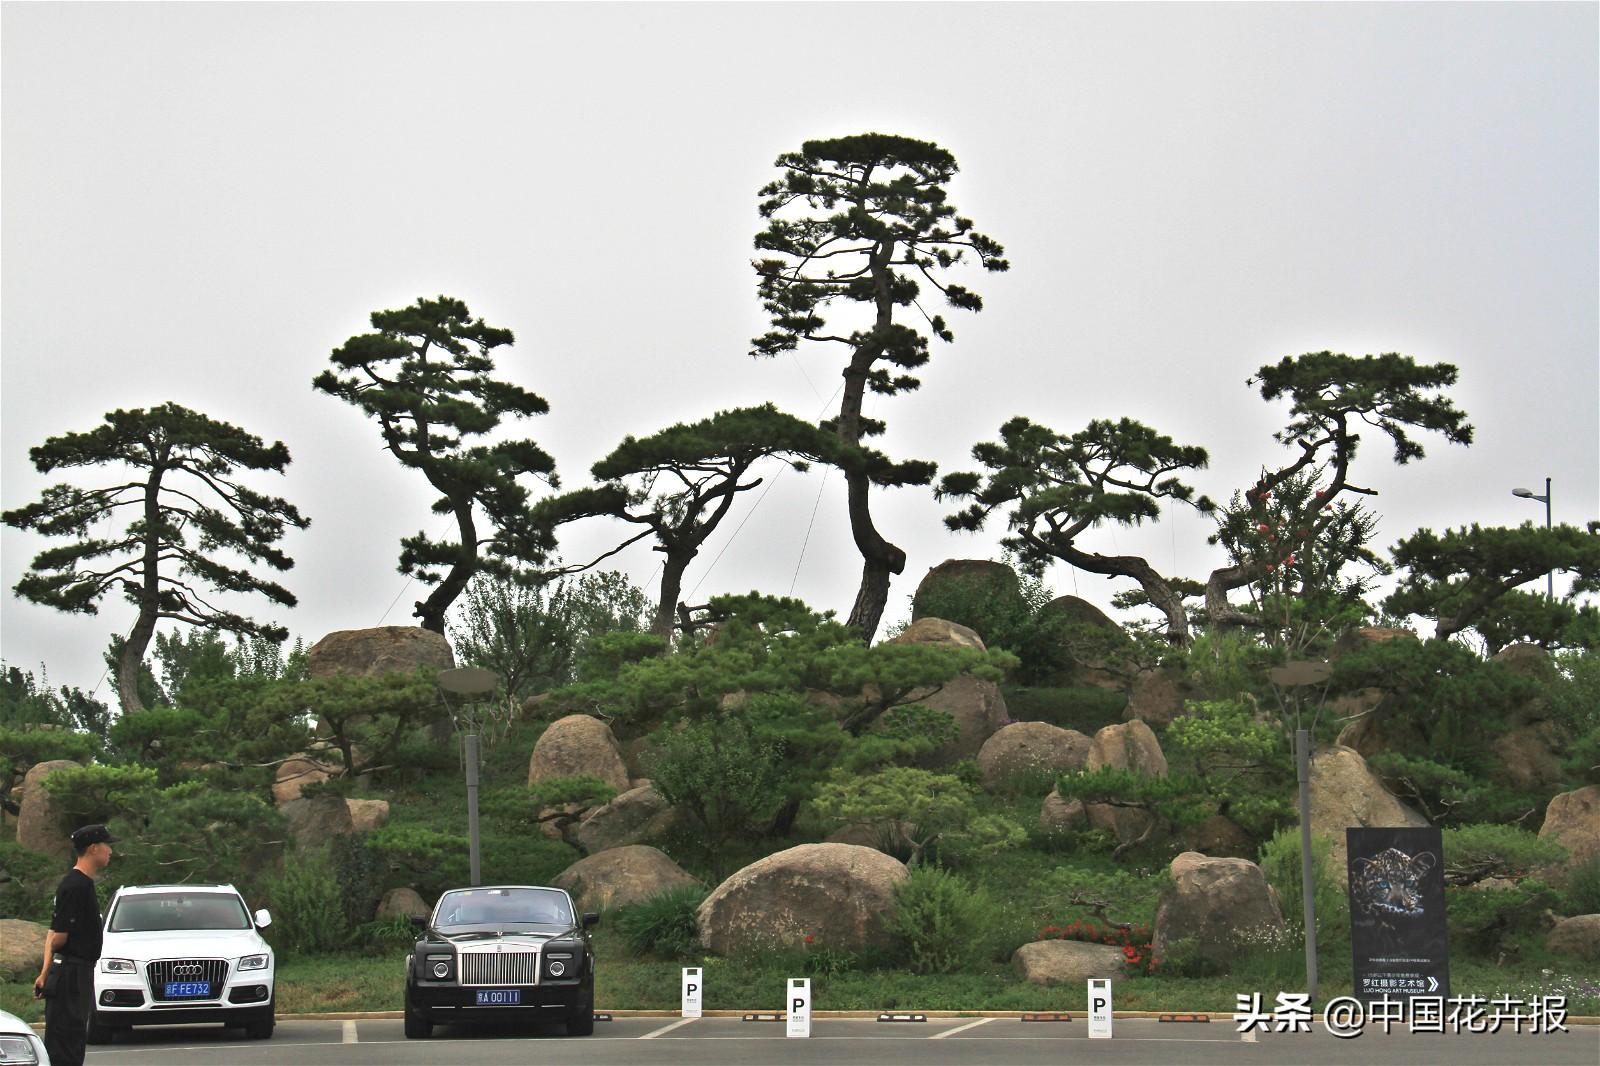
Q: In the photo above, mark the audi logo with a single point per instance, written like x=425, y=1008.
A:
x=188, y=969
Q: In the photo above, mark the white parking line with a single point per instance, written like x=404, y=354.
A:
x=681, y=1022
x=350, y=1033
x=960, y=1029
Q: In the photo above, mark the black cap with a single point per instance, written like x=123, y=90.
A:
x=93, y=834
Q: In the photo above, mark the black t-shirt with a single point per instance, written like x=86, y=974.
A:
x=78, y=915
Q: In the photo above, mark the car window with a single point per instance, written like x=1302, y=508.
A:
x=494, y=907
x=178, y=911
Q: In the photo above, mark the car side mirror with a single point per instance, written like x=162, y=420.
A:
x=263, y=918
x=419, y=921
x=590, y=919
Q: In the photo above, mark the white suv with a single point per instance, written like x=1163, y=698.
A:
x=175, y=954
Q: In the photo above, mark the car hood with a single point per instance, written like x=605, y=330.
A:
x=11, y=1025
x=183, y=944
x=522, y=938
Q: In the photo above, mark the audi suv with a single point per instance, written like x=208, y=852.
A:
x=175, y=954
x=510, y=952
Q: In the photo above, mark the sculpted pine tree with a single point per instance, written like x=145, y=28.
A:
x=1465, y=578
x=1332, y=396
x=679, y=484
x=166, y=554
x=864, y=220
x=424, y=375
x=1058, y=488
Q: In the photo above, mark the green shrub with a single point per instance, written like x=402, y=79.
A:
x=1280, y=861
x=1475, y=852
x=308, y=909
x=28, y=889
x=1483, y=920
x=1085, y=708
x=940, y=919
x=1583, y=887
x=664, y=924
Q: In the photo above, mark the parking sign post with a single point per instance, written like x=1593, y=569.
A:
x=1099, y=1009
x=799, y=1006
x=693, y=991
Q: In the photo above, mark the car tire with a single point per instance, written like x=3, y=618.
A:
x=261, y=1028
x=99, y=1032
x=580, y=1021
x=417, y=1027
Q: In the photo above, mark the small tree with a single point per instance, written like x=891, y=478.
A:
x=1460, y=577
x=877, y=224
x=1059, y=488
x=424, y=375
x=190, y=512
x=925, y=810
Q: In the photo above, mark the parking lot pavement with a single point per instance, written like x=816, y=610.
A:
x=834, y=1042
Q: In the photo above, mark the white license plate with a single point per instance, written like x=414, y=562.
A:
x=499, y=997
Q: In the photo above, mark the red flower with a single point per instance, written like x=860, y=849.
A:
x=809, y=938
x=1261, y=527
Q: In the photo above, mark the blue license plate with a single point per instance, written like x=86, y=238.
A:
x=188, y=989
x=499, y=997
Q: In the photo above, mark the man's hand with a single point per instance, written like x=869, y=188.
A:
x=38, y=987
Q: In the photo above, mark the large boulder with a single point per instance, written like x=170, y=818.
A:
x=1214, y=905
x=977, y=706
x=622, y=876
x=1345, y=794
x=1527, y=660
x=887, y=837
x=1067, y=962
x=368, y=815
x=1129, y=746
x=1097, y=648
x=1573, y=820
x=1157, y=696
x=313, y=821
x=973, y=581
x=1220, y=835
x=21, y=949
x=577, y=745
x=295, y=773
x=41, y=825
x=636, y=816
x=381, y=650
x=840, y=895
x=403, y=903
x=1578, y=936
x=1030, y=749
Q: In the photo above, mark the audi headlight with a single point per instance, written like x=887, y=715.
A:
x=255, y=962
x=114, y=966
x=18, y=1050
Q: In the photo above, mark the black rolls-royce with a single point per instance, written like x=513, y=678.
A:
x=501, y=953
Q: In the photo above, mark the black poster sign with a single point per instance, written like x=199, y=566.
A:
x=1398, y=931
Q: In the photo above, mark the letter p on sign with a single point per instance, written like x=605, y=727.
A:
x=1099, y=1009
x=799, y=1007
x=693, y=987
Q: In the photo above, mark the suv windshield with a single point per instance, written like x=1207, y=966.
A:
x=497, y=907
x=178, y=910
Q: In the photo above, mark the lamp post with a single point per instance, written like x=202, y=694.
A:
x=1529, y=494
x=469, y=682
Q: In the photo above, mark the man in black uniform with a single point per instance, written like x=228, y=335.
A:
x=75, y=936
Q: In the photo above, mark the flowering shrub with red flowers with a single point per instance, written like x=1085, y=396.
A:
x=1134, y=941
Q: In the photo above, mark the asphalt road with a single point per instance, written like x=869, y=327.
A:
x=835, y=1042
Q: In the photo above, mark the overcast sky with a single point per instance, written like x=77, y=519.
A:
x=202, y=200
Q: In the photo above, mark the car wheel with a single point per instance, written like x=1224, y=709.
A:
x=580, y=1021
x=99, y=1032
x=417, y=1027
x=261, y=1028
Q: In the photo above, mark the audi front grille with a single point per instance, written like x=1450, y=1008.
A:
x=167, y=971
x=500, y=968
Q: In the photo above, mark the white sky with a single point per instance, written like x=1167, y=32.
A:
x=202, y=200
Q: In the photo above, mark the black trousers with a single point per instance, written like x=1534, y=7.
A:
x=66, y=1014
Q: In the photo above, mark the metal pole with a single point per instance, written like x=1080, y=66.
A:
x=1302, y=743
x=472, y=807
x=1550, y=578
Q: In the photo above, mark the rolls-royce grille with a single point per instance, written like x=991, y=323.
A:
x=500, y=968
x=186, y=971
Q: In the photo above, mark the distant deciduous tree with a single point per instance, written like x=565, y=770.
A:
x=424, y=375
x=865, y=220
x=190, y=511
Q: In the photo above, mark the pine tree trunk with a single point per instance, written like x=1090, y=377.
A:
x=431, y=611
x=671, y=588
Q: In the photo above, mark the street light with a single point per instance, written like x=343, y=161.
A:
x=1529, y=494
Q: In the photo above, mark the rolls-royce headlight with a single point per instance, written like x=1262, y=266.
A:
x=117, y=966
x=254, y=962
x=557, y=968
